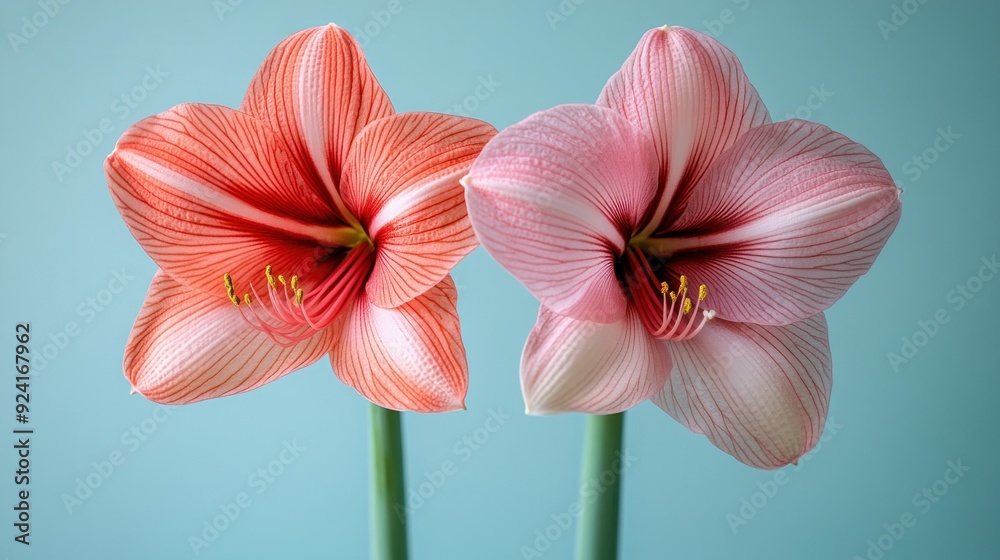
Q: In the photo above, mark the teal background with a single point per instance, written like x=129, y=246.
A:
x=893, y=429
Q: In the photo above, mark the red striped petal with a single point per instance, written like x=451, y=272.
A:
x=759, y=393
x=207, y=190
x=186, y=347
x=571, y=365
x=690, y=94
x=555, y=198
x=316, y=89
x=784, y=223
x=407, y=358
x=401, y=180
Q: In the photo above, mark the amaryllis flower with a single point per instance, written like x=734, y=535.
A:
x=683, y=247
x=312, y=221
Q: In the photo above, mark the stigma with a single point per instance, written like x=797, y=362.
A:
x=680, y=320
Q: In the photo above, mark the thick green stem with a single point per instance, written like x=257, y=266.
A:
x=388, y=506
x=600, y=488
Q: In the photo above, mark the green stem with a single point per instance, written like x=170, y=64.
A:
x=388, y=509
x=597, y=534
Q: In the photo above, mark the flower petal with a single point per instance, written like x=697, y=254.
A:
x=573, y=365
x=401, y=180
x=759, y=393
x=785, y=222
x=186, y=347
x=317, y=90
x=554, y=200
x=407, y=358
x=690, y=94
x=208, y=190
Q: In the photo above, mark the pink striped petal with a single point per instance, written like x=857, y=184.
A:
x=401, y=181
x=554, y=200
x=690, y=94
x=787, y=220
x=572, y=365
x=759, y=393
x=317, y=90
x=186, y=347
x=207, y=190
x=407, y=358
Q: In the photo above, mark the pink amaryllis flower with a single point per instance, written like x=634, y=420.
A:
x=683, y=248
x=312, y=221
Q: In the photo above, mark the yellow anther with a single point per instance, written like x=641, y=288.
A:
x=684, y=284
x=687, y=305
x=664, y=288
x=270, y=277
x=673, y=296
x=234, y=299
x=246, y=298
x=228, y=280
x=298, y=296
x=281, y=279
x=295, y=283
x=702, y=292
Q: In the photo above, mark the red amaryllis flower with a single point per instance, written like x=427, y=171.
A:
x=683, y=247
x=312, y=221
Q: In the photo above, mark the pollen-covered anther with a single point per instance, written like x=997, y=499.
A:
x=680, y=320
x=664, y=288
x=276, y=311
x=230, y=290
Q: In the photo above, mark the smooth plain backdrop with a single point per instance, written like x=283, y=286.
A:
x=920, y=85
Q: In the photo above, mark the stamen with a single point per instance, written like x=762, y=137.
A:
x=680, y=319
x=280, y=321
